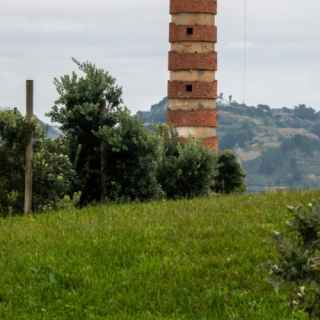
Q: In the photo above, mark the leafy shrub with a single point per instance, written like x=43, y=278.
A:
x=14, y=134
x=53, y=174
x=87, y=102
x=230, y=176
x=185, y=170
x=114, y=156
x=131, y=155
x=299, y=258
x=52, y=170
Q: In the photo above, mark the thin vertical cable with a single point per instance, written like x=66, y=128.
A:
x=245, y=50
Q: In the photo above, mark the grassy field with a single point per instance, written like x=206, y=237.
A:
x=197, y=259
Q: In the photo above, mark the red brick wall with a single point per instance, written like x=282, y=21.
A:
x=200, y=90
x=197, y=118
x=193, y=6
x=199, y=33
x=192, y=61
x=211, y=143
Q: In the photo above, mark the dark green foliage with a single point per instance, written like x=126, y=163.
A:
x=265, y=109
x=105, y=153
x=114, y=156
x=86, y=104
x=303, y=112
x=14, y=130
x=185, y=170
x=299, y=258
x=230, y=175
x=241, y=138
x=131, y=154
x=14, y=133
x=53, y=173
x=52, y=170
x=306, y=145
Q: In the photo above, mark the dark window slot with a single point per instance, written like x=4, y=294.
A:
x=189, y=88
x=189, y=31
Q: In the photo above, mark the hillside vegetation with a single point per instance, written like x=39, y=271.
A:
x=278, y=147
x=196, y=259
x=103, y=153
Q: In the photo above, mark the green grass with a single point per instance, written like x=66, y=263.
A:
x=197, y=259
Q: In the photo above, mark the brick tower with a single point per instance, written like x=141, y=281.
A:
x=192, y=88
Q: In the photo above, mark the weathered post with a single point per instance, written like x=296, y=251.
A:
x=29, y=150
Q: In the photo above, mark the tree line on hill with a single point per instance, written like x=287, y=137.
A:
x=278, y=147
x=104, y=153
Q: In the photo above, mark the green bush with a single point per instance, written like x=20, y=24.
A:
x=52, y=170
x=105, y=153
x=13, y=133
x=230, y=177
x=131, y=155
x=299, y=259
x=185, y=170
x=87, y=101
x=53, y=174
x=115, y=157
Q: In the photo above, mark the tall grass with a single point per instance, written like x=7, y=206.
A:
x=196, y=259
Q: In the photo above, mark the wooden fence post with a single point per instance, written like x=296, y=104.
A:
x=29, y=150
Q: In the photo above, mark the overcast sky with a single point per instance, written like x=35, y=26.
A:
x=130, y=39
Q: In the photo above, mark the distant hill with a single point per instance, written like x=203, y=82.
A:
x=52, y=132
x=279, y=148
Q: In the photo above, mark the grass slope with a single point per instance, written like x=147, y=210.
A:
x=197, y=259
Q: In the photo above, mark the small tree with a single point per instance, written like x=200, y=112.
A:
x=230, y=176
x=114, y=156
x=52, y=172
x=86, y=104
x=185, y=170
x=14, y=133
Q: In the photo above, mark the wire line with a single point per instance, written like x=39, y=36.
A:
x=245, y=50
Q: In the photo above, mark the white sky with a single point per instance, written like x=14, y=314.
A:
x=130, y=39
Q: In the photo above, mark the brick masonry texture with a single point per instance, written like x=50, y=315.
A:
x=197, y=132
x=193, y=47
x=198, y=90
x=192, y=61
x=199, y=33
x=204, y=19
x=191, y=104
x=199, y=118
x=192, y=75
x=193, y=6
x=192, y=89
x=211, y=143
